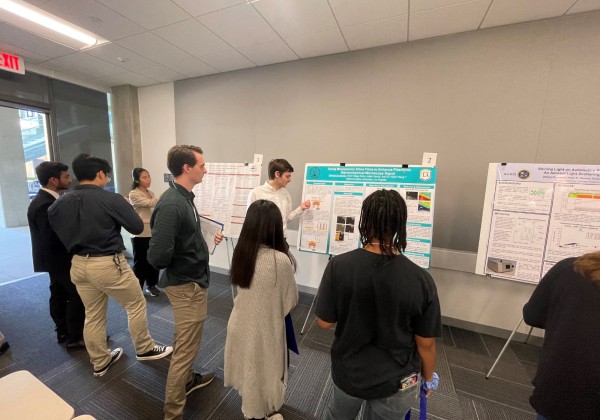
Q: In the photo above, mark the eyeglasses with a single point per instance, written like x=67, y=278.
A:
x=107, y=177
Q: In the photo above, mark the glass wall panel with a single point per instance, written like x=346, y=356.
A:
x=28, y=88
x=82, y=123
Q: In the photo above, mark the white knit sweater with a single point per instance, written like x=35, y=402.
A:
x=255, y=349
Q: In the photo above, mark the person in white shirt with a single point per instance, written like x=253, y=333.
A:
x=274, y=190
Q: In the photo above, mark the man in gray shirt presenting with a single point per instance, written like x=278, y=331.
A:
x=88, y=222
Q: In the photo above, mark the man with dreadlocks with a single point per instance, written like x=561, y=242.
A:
x=387, y=313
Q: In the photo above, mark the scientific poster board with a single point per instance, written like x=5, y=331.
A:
x=336, y=192
x=223, y=193
x=536, y=215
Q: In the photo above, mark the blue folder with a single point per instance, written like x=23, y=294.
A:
x=290, y=335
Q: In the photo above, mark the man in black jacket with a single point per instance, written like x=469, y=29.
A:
x=177, y=245
x=88, y=221
x=50, y=255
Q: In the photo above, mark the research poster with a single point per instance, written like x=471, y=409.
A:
x=223, y=193
x=336, y=193
x=536, y=215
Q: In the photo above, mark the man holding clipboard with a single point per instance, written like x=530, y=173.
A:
x=178, y=247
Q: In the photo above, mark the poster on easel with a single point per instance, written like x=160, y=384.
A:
x=536, y=215
x=223, y=193
x=337, y=191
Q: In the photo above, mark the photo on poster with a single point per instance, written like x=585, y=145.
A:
x=501, y=266
x=412, y=195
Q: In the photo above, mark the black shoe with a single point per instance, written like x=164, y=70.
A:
x=75, y=345
x=61, y=338
x=115, y=355
x=5, y=346
x=158, y=352
x=153, y=291
x=199, y=381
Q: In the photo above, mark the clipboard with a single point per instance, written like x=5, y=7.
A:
x=209, y=229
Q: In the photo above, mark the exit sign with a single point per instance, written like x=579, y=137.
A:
x=12, y=63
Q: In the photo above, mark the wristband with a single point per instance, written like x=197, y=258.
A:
x=433, y=384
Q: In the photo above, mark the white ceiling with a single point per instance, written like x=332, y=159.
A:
x=154, y=41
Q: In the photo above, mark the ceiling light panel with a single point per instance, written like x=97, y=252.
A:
x=32, y=19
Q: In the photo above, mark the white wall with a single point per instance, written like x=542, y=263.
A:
x=521, y=93
x=157, y=128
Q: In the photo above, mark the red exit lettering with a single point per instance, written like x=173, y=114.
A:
x=11, y=63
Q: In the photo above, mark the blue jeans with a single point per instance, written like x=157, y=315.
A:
x=345, y=407
x=540, y=417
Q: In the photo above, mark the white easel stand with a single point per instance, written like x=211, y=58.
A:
x=506, y=346
x=311, y=306
x=229, y=261
x=308, y=314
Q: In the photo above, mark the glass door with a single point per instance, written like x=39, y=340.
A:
x=24, y=144
x=34, y=135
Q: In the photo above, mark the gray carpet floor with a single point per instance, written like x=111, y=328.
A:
x=135, y=390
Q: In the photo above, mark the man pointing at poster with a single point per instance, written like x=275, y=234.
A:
x=280, y=174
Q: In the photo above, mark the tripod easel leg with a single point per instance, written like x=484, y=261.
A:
x=528, y=335
x=229, y=261
x=308, y=314
x=504, y=349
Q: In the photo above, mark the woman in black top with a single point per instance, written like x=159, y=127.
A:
x=566, y=304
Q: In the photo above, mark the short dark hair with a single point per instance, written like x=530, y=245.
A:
x=263, y=227
x=180, y=155
x=383, y=217
x=279, y=165
x=86, y=167
x=135, y=175
x=49, y=169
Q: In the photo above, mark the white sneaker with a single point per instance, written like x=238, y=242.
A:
x=276, y=416
x=158, y=352
x=114, y=356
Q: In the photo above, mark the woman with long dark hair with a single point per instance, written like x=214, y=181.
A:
x=566, y=303
x=143, y=201
x=256, y=357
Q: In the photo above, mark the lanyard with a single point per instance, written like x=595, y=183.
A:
x=194, y=210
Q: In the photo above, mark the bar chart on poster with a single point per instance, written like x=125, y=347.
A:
x=222, y=195
x=536, y=215
x=336, y=193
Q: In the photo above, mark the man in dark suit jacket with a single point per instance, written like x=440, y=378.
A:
x=50, y=255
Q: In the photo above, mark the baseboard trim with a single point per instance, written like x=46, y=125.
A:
x=453, y=322
x=493, y=331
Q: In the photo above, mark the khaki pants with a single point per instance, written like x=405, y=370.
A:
x=97, y=278
x=189, y=303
